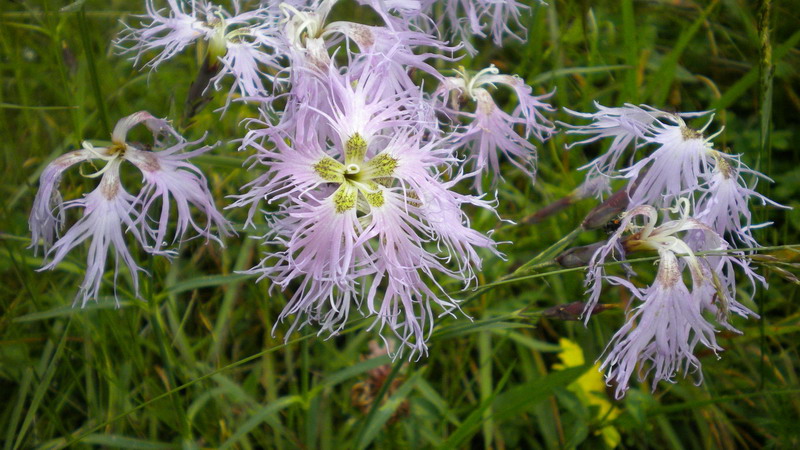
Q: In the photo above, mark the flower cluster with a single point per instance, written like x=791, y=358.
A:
x=110, y=212
x=360, y=162
x=361, y=144
x=708, y=191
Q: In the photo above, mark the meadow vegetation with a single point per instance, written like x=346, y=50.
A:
x=199, y=362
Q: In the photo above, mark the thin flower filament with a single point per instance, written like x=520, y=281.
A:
x=303, y=24
x=112, y=154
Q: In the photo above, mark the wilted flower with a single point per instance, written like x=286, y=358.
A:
x=661, y=333
x=110, y=211
x=491, y=130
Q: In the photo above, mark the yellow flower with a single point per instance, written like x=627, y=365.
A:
x=590, y=389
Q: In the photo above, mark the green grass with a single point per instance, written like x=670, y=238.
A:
x=195, y=364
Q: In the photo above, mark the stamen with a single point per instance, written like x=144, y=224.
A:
x=476, y=80
x=94, y=151
x=710, y=119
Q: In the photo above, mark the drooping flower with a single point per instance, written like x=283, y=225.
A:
x=365, y=218
x=660, y=336
x=724, y=203
x=661, y=333
x=491, y=130
x=109, y=212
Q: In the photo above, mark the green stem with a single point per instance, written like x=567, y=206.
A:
x=157, y=321
x=95, y=79
x=766, y=73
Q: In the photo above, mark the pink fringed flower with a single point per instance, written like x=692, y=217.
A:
x=365, y=220
x=493, y=18
x=311, y=38
x=724, y=203
x=625, y=125
x=110, y=211
x=683, y=163
x=106, y=210
x=661, y=333
x=242, y=43
x=491, y=130
x=677, y=164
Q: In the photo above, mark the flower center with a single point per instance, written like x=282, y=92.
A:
x=111, y=154
x=301, y=25
x=356, y=176
x=352, y=169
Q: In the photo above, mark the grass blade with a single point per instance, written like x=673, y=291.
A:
x=260, y=416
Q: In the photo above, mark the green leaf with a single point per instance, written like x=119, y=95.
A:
x=375, y=424
x=22, y=395
x=260, y=416
x=662, y=79
x=523, y=398
x=533, y=344
x=740, y=87
x=463, y=328
x=73, y=7
x=35, y=108
x=115, y=441
x=473, y=422
x=43, y=386
x=350, y=372
x=105, y=302
x=429, y=393
x=208, y=281
x=552, y=74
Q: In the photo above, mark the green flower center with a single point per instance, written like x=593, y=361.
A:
x=357, y=175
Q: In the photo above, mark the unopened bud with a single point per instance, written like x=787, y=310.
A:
x=578, y=256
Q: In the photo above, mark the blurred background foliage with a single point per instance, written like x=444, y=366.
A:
x=198, y=365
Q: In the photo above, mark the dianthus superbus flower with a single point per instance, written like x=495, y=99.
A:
x=661, y=333
x=724, y=202
x=241, y=45
x=676, y=161
x=625, y=125
x=365, y=217
x=311, y=37
x=109, y=212
x=681, y=158
x=490, y=130
x=496, y=19
x=677, y=166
